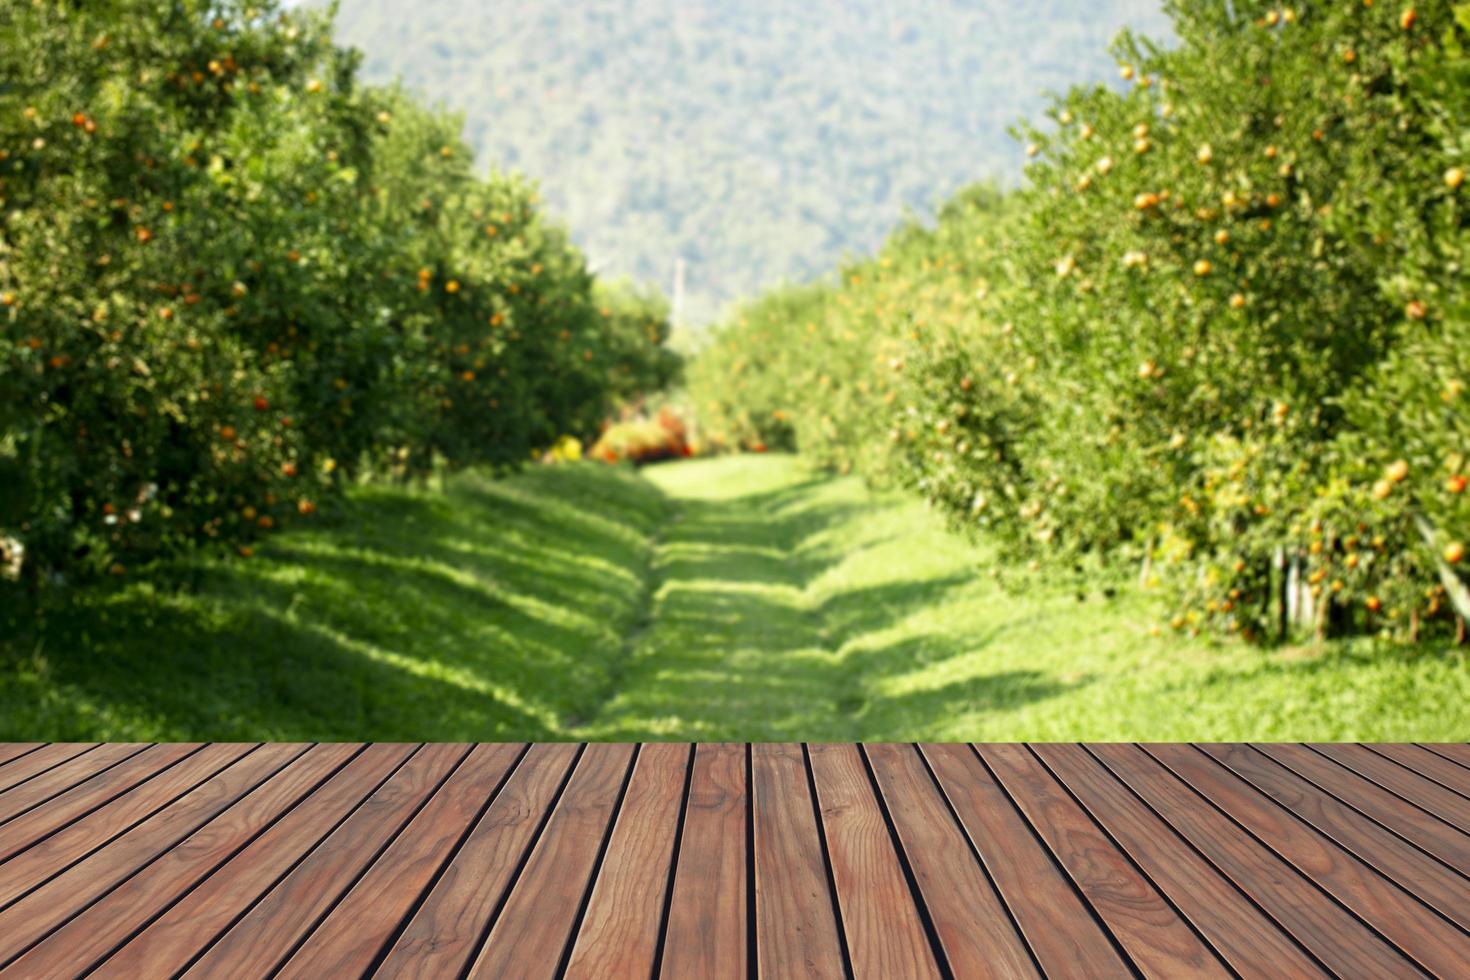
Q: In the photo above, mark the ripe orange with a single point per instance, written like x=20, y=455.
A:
x=1454, y=177
x=227, y=433
x=1455, y=484
x=1454, y=552
x=288, y=469
x=1203, y=267
x=1382, y=489
x=1397, y=471
x=1237, y=301
x=1415, y=310
x=1407, y=18
x=1373, y=603
x=262, y=404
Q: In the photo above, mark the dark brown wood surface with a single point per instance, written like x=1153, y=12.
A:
x=774, y=860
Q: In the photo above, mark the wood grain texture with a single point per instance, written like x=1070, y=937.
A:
x=732, y=861
x=1424, y=830
x=57, y=780
x=1399, y=861
x=1437, y=945
x=31, y=764
x=708, y=929
x=619, y=934
x=10, y=751
x=106, y=925
x=190, y=925
x=447, y=929
x=24, y=830
x=885, y=930
x=1424, y=793
x=1156, y=938
x=537, y=921
x=51, y=904
x=258, y=943
x=1428, y=764
x=974, y=927
x=357, y=930
x=29, y=867
x=1253, y=944
x=1036, y=891
x=1334, y=935
x=795, y=921
x=1457, y=752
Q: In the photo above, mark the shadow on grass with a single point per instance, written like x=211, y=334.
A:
x=490, y=611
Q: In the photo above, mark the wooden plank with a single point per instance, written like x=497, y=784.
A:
x=1333, y=935
x=1391, y=855
x=796, y=929
x=31, y=764
x=172, y=940
x=350, y=939
x=58, y=779
x=447, y=929
x=28, y=868
x=1250, y=942
x=56, y=901
x=537, y=921
x=107, y=924
x=973, y=926
x=1448, y=774
x=24, y=830
x=10, y=751
x=1424, y=793
x=619, y=934
x=1425, y=831
x=708, y=929
x=1435, y=944
x=885, y=934
x=259, y=942
x=1038, y=894
x=1157, y=939
x=1457, y=752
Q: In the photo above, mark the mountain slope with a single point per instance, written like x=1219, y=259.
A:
x=758, y=140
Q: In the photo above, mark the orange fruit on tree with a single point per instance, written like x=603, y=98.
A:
x=1397, y=471
x=1454, y=552
x=1456, y=483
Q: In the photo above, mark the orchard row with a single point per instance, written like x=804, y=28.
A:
x=1223, y=331
x=232, y=277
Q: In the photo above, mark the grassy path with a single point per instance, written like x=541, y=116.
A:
x=734, y=598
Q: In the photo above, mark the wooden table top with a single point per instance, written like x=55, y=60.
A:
x=883, y=861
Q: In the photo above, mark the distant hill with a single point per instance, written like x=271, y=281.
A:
x=757, y=139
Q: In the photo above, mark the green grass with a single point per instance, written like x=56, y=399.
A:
x=734, y=598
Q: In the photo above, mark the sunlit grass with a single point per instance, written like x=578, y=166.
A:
x=735, y=598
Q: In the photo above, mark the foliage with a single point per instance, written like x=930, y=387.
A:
x=731, y=598
x=1221, y=329
x=231, y=277
x=759, y=140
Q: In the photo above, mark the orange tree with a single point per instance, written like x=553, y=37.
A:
x=1216, y=332
x=231, y=276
